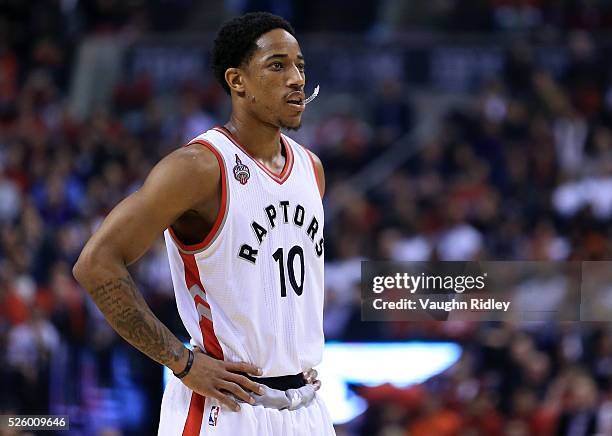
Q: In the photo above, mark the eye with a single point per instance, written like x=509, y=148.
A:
x=276, y=66
x=301, y=67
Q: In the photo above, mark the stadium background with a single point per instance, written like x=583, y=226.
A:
x=452, y=130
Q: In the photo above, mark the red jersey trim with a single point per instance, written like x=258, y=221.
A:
x=221, y=215
x=192, y=277
x=278, y=178
x=314, y=168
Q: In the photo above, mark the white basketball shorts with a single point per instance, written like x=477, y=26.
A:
x=184, y=413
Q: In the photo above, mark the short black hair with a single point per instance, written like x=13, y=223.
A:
x=235, y=41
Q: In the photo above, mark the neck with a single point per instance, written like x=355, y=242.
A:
x=261, y=139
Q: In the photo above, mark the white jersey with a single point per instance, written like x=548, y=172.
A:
x=253, y=289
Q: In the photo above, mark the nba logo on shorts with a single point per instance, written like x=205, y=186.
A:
x=214, y=414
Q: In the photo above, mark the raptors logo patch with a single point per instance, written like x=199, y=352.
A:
x=214, y=415
x=241, y=171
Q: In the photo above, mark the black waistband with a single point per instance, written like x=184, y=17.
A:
x=281, y=383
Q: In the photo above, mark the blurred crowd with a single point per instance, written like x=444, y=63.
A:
x=520, y=170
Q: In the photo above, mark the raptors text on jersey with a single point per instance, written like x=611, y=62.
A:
x=247, y=252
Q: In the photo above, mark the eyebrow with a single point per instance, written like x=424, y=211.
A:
x=279, y=55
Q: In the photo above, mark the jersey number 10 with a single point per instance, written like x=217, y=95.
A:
x=278, y=256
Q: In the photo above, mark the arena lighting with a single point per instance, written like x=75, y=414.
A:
x=400, y=364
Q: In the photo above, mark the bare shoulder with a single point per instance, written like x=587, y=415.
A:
x=194, y=160
x=192, y=170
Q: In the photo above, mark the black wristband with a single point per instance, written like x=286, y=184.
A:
x=184, y=372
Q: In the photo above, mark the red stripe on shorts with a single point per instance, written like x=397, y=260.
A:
x=195, y=415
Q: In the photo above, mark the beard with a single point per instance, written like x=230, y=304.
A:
x=294, y=127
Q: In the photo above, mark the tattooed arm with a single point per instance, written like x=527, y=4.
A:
x=187, y=180
x=126, y=310
x=127, y=233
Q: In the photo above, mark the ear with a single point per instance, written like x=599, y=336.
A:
x=234, y=79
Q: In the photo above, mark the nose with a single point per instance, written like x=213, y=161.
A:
x=296, y=78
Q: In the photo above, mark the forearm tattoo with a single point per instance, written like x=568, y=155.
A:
x=128, y=313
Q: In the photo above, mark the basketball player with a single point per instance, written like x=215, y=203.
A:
x=240, y=209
